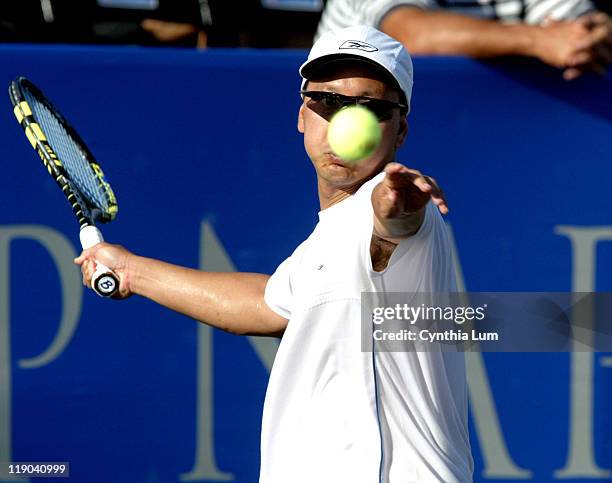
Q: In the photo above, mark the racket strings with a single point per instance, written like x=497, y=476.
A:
x=70, y=153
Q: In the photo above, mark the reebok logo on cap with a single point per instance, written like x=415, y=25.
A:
x=358, y=45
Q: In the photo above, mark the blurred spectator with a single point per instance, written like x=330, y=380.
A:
x=282, y=23
x=42, y=20
x=568, y=34
x=255, y=23
x=179, y=23
x=188, y=23
x=96, y=21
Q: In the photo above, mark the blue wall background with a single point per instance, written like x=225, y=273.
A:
x=188, y=138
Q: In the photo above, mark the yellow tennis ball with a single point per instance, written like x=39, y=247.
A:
x=353, y=133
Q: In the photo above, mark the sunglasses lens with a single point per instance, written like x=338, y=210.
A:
x=328, y=103
x=331, y=101
x=324, y=103
x=382, y=111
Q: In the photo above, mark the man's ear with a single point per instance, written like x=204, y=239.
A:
x=402, y=132
x=300, y=123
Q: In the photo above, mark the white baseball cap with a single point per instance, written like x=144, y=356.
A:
x=364, y=43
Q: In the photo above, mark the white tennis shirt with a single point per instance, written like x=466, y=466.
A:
x=335, y=414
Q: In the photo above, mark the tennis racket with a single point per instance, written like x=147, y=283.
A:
x=72, y=166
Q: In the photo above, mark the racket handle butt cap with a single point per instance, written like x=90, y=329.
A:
x=104, y=282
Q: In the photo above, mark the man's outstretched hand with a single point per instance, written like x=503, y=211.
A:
x=399, y=201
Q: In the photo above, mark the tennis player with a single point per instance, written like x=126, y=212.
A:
x=332, y=413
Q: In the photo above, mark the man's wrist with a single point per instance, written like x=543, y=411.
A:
x=396, y=229
x=132, y=272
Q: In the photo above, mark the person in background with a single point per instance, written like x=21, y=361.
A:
x=161, y=23
x=572, y=35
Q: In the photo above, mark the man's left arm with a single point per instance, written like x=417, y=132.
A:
x=399, y=202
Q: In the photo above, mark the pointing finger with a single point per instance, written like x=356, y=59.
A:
x=437, y=196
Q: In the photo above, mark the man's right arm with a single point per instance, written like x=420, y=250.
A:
x=230, y=301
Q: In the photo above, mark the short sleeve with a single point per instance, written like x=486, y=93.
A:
x=278, y=294
x=346, y=13
x=539, y=10
x=376, y=11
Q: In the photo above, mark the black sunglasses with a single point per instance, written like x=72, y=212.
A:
x=326, y=104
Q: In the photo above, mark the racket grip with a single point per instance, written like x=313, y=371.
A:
x=104, y=282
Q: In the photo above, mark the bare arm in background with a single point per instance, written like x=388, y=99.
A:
x=575, y=46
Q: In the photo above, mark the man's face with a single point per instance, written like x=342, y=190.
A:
x=349, y=80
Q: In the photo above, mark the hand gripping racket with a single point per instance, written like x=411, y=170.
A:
x=73, y=167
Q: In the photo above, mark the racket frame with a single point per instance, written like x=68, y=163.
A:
x=104, y=282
